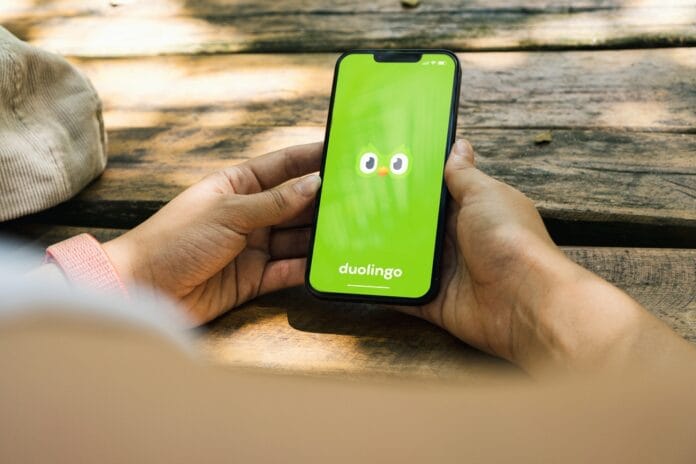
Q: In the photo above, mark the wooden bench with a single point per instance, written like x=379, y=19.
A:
x=191, y=86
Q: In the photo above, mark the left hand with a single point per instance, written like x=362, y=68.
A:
x=213, y=246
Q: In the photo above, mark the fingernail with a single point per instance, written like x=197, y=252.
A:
x=308, y=185
x=459, y=148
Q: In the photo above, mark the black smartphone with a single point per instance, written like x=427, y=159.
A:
x=380, y=212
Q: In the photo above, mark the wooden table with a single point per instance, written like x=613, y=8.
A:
x=190, y=86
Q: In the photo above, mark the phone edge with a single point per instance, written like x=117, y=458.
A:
x=433, y=289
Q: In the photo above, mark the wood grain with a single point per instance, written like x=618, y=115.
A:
x=122, y=28
x=623, y=125
x=291, y=331
x=635, y=89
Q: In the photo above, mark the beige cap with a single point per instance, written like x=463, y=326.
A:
x=52, y=138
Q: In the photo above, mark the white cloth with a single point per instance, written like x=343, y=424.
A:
x=28, y=288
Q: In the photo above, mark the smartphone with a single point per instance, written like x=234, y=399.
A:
x=379, y=218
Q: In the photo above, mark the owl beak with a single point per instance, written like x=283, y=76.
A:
x=382, y=171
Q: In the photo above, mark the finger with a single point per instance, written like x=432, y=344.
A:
x=258, y=239
x=461, y=176
x=289, y=243
x=274, y=206
x=463, y=148
x=303, y=219
x=281, y=274
x=272, y=169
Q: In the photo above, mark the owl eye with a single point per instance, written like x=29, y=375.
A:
x=398, y=163
x=368, y=163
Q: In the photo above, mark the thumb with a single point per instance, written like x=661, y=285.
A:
x=275, y=205
x=461, y=176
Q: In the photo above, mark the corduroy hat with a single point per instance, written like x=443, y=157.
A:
x=52, y=138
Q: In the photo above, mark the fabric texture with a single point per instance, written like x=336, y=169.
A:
x=84, y=261
x=52, y=138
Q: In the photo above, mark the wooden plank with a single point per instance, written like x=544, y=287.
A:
x=635, y=89
x=589, y=179
x=120, y=28
x=291, y=331
x=622, y=125
x=41, y=236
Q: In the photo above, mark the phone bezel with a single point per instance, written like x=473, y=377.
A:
x=439, y=238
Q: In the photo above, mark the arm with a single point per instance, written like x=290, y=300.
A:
x=67, y=378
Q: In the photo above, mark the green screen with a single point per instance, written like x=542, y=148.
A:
x=379, y=205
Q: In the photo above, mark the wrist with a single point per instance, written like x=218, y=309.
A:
x=570, y=319
x=123, y=256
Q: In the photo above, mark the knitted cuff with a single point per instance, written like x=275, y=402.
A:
x=83, y=260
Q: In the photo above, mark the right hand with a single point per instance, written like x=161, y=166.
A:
x=507, y=289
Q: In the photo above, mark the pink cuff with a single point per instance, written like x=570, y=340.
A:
x=83, y=260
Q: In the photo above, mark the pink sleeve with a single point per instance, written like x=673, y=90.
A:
x=83, y=260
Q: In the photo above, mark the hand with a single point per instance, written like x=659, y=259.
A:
x=213, y=248
x=493, y=235
x=508, y=290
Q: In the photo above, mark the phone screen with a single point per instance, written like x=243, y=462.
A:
x=379, y=205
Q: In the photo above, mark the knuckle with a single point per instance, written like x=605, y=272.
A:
x=284, y=271
x=515, y=195
x=472, y=189
x=219, y=181
x=278, y=200
x=234, y=177
x=237, y=214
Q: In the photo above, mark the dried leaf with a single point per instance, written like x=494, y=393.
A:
x=410, y=3
x=543, y=138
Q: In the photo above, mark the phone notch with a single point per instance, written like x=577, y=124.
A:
x=397, y=57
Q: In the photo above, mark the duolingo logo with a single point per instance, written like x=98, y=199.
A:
x=371, y=270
